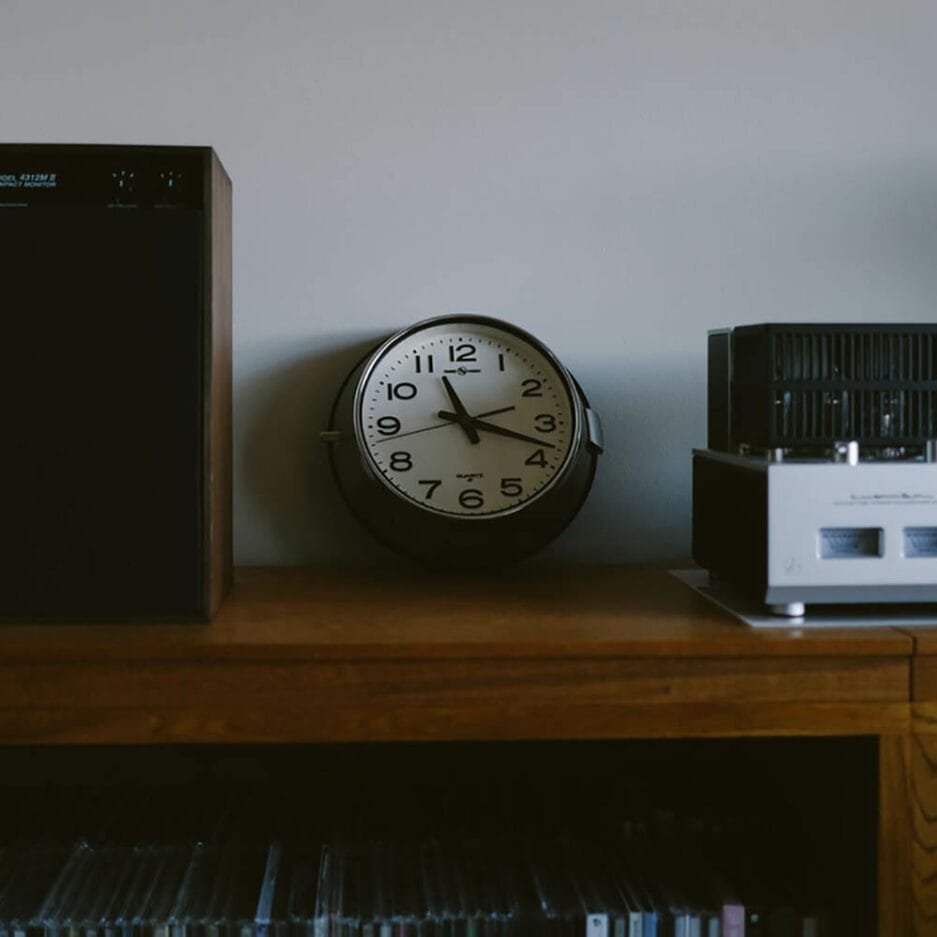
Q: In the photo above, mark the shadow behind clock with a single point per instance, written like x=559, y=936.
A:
x=291, y=512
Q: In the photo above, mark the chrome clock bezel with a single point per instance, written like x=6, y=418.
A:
x=576, y=407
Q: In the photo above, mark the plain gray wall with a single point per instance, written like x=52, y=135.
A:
x=616, y=177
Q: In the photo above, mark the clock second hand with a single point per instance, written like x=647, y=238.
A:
x=426, y=429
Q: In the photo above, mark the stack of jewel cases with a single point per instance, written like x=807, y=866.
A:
x=819, y=483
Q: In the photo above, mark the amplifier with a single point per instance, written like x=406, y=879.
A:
x=115, y=384
x=819, y=484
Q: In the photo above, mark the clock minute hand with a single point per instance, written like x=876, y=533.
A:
x=461, y=414
x=475, y=422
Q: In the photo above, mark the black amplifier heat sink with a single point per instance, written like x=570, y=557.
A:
x=807, y=386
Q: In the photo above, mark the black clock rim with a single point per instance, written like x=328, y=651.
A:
x=442, y=546
x=577, y=402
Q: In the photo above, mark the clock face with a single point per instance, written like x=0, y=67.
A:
x=466, y=417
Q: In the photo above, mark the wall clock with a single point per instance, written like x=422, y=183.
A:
x=462, y=441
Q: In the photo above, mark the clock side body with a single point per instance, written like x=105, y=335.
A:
x=453, y=541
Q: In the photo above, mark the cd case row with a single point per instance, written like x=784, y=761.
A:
x=597, y=887
x=271, y=861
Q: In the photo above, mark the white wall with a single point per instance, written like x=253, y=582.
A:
x=616, y=177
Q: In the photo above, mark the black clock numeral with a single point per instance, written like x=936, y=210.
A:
x=418, y=361
x=501, y=361
x=388, y=425
x=401, y=461
x=433, y=483
x=546, y=422
x=402, y=391
x=462, y=353
x=532, y=386
x=471, y=498
x=537, y=458
x=511, y=487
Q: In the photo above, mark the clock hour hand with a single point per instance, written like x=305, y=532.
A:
x=475, y=422
x=461, y=414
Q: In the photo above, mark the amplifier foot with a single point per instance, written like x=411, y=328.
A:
x=788, y=609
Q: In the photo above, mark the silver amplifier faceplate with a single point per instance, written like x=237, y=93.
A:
x=852, y=533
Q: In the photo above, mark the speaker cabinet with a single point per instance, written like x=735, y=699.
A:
x=115, y=382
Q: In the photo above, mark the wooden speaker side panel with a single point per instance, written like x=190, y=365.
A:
x=218, y=387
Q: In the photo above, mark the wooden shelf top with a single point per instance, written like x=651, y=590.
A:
x=301, y=655
x=325, y=614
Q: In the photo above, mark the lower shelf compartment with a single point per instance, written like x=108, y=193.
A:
x=626, y=839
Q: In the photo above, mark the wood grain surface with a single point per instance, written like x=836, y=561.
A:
x=923, y=782
x=438, y=700
x=316, y=614
x=895, y=837
x=925, y=639
x=923, y=803
x=924, y=678
x=301, y=655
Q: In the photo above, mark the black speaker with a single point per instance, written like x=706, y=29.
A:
x=115, y=381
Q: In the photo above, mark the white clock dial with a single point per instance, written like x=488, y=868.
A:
x=467, y=419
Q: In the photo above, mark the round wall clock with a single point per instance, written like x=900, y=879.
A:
x=462, y=441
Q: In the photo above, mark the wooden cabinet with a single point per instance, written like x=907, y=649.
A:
x=923, y=780
x=323, y=656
